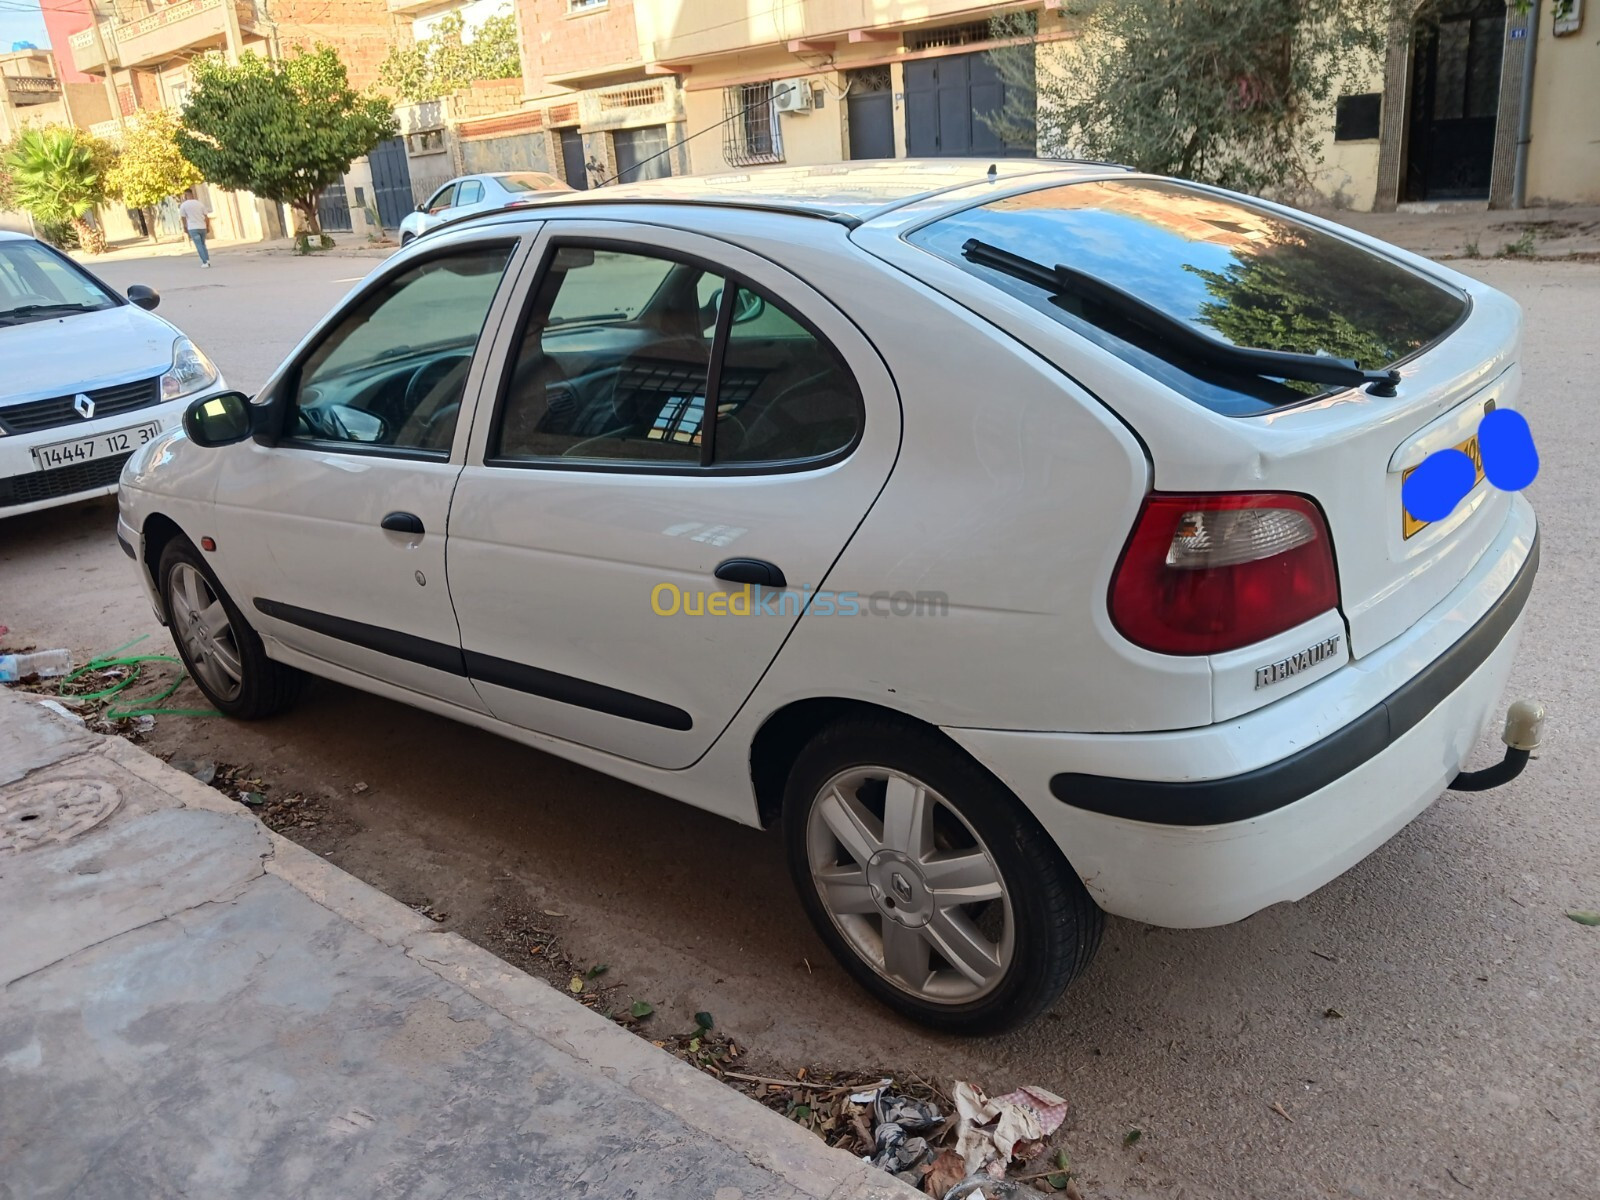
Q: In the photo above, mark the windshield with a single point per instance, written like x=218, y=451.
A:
x=530, y=181
x=37, y=284
x=1231, y=271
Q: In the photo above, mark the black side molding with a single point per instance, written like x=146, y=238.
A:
x=1276, y=785
x=127, y=547
x=569, y=690
x=483, y=667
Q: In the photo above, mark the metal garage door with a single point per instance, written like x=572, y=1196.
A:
x=641, y=153
x=333, y=209
x=946, y=101
x=870, y=109
x=391, y=181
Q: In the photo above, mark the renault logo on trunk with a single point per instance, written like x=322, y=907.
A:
x=83, y=406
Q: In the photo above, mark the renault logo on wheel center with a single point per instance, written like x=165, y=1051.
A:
x=83, y=406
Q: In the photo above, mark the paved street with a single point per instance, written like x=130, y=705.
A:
x=1429, y=1024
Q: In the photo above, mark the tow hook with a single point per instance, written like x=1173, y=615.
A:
x=1524, y=726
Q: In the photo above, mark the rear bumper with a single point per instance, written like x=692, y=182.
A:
x=1203, y=827
x=1253, y=793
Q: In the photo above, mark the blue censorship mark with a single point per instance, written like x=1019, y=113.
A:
x=1441, y=482
x=1510, y=461
x=1445, y=477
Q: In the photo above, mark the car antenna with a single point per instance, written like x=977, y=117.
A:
x=993, y=174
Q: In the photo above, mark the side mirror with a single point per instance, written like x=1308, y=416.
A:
x=218, y=420
x=143, y=297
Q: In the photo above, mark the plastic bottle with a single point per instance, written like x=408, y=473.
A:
x=45, y=663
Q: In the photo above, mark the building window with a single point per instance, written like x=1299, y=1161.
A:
x=583, y=6
x=1356, y=117
x=750, y=131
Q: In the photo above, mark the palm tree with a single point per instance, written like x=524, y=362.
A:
x=58, y=175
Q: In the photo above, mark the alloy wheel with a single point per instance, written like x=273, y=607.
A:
x=910, y=885
x=200, y=620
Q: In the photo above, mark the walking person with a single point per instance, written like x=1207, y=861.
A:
x=198, y=223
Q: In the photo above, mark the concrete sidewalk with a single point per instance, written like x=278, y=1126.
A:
x=192, y=1006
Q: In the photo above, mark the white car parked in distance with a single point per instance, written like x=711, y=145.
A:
x=1010, y=592
x=90, y=375
x=468, y=195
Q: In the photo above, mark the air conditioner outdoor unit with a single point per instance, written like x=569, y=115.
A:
x=791, y=96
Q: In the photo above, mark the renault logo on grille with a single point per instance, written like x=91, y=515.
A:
x=83, y=406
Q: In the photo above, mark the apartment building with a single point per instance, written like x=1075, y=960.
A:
x=828, y=80
x=836, y=79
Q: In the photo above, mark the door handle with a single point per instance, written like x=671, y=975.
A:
x=751, y=570
x=403, y=522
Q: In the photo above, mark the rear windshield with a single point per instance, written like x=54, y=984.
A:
x=1228, y=269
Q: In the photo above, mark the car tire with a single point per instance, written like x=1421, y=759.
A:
x=226, y=660
x=969, y=836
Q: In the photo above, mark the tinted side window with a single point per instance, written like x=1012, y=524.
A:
x=784, y=394
x=613, y=362
x=393, y=371
x=469, y=192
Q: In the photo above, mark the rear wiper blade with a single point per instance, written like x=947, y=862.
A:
x=1277, y=364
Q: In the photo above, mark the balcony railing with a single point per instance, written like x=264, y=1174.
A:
x=162, y=33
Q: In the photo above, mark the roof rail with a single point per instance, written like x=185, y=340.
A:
x=562, y=200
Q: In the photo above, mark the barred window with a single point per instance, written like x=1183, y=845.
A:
x=750, y=132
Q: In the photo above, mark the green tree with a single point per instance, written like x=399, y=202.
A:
x=1231, y=92
x=151, y=168
x=1325, y=303
x=448, y=61
x=58, y=175
x=283, y=130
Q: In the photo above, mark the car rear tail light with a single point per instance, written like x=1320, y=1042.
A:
x=1207, y=573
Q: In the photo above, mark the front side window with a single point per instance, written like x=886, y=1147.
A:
x=393, y=371
x=1231, y=271
x=613, y=362
x=37, y=285
x=615, y=367
x=442, y=199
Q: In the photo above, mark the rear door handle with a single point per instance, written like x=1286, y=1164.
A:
x=751, y=570
x=403, y=522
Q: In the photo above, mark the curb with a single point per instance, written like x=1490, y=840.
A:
x=761, y=1136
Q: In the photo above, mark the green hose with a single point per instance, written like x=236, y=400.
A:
x=143, y=709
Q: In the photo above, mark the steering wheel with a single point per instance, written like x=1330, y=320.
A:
x=423, y=380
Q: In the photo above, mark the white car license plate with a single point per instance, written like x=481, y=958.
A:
x=101, y=445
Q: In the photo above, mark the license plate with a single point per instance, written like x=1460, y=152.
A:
x=101, y=445
x=1409, y=525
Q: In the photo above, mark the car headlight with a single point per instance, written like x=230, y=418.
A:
x=190, y=371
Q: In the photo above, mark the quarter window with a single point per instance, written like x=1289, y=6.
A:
x=393, y=372
x=785, y=394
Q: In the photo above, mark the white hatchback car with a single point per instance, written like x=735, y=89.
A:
x=89, y=376
x=1012, y=592
x=469, y=195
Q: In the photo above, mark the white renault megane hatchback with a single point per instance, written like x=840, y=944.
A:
x=1024, y=543
x=87, y=376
